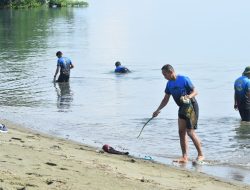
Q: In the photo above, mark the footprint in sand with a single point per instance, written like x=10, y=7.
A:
x=56, y=147
x=35, y=174
x=17, y=139
x=30, y=137
x=51, y=164
x=63, y=169
x=51, y=181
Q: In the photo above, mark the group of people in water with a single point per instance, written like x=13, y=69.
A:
x=64, y=65
x=183, y=92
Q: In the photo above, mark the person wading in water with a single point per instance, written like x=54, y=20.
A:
x=183, y=92
x=242, y=95
x=64, y=65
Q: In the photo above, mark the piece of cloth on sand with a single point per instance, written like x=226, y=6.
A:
x=111, y=150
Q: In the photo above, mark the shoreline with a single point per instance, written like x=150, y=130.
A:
x=33, y=160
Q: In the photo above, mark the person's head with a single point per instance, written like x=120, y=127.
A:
x=246, y=72
x=168, y=72
x=117, y=63
x=59, y=54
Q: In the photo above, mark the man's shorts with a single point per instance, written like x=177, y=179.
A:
x=245, y=114
x=192, y=116
x=63, y=78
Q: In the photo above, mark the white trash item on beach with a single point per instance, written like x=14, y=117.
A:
x=3, y=128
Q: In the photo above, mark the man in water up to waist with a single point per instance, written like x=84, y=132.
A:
x=64, y=65
x=183, y=92
x=242, y=95
x=120, y=69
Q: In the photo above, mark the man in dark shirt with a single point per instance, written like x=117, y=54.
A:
x=64, y=65
x=120, y=69
x=183, y=92
x=242, y=95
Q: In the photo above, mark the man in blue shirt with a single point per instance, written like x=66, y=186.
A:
x=183, y=92
x=242, y=95
x=120, y=69
x=64, y=65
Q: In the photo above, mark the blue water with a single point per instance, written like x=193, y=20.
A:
x=207, y=41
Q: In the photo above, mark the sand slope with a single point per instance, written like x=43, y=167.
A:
x=29, y=160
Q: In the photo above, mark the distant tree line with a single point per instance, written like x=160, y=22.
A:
x=37, y=3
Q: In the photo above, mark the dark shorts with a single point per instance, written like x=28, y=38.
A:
x=63, y=78
x=196, y=109
x=192, y=122
x=244, y=114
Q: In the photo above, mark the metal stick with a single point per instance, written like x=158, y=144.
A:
x=144, y=126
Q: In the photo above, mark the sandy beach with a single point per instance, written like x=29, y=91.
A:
x=31, y=160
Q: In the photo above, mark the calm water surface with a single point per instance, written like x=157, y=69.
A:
x=207, y=41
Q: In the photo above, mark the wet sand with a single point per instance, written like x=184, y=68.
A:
x=31, y=160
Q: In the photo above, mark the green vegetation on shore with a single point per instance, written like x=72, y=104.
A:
x=64, y=3
x=38, y=3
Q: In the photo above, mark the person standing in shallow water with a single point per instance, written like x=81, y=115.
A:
x=64, y=65
x=120, y=69
x=183, y=92
x=242, y=95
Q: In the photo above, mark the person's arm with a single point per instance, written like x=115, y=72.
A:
x=71, y=66
x=248, y=90
x=164, y=102
x=192, y=94
x=190, y=87
x=235, y=102
x=248, y=94
x=57, y=70
x=127, y=70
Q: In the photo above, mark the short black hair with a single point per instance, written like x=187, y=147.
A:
x=58, y=53
x=167, y=68
x=117, y=63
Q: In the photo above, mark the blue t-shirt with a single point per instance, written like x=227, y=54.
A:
x=64, y=64
x=242, y=87
x=180, y=87
x=121, y=69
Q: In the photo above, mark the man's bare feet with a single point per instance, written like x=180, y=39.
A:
x=200, y=158
x=182, y=160
x=199, y=161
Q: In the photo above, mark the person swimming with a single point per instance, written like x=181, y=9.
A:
x=120, y=69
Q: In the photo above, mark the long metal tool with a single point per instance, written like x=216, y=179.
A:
x=144, y=126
